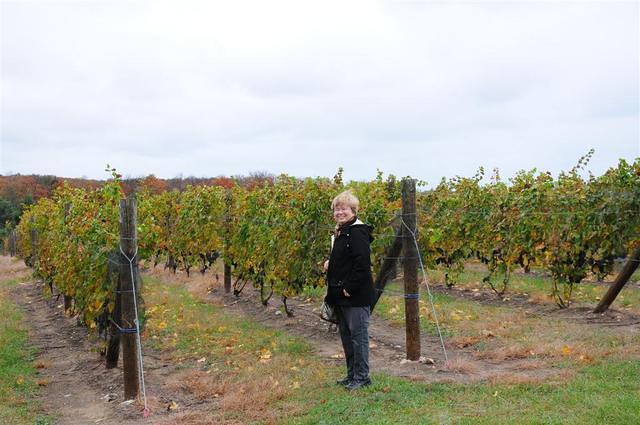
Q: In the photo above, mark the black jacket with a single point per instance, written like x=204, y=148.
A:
x=350, y=267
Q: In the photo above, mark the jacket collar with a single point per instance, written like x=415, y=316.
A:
x=355, y=221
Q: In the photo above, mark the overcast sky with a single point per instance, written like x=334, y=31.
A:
x=420, y=88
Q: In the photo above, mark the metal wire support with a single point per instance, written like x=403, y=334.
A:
x=137, y=323
x=426, y=283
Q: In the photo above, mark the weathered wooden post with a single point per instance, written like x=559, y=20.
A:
x=227, y=278
x=227, y=223
x=13, y=241
x=388, y=268
x=113, y=277
x=623, y=277
x=127, y=280
x=66, y=298
x=34, y=243
x=411, y=289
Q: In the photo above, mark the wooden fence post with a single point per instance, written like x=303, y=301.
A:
x=13, y=241
x=388, y=269
x=34, y=243
x=227, y=278
x=113, y=277
x=128, y=243
x=411, y=289
x=227, y=221
x=66, y=298
x=623, y=277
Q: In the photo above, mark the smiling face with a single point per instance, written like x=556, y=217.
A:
x=342, y=214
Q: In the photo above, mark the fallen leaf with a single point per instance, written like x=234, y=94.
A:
x=487, y=334
x=585, y=358
x=265, y=354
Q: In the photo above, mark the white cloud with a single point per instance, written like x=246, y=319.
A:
x=424, y=88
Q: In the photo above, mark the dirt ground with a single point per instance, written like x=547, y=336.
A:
x=78, y=389
x=387, y=342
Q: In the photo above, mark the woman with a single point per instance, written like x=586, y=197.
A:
x=350, y=287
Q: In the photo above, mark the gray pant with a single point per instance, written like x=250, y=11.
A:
x=353, y=323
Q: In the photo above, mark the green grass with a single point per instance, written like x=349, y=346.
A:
x=602, y=394
x=492, y=329
x=287, y=384
x=18, y=376
x=449, y=310
x=176, y=319
x=316, y=293
x=540, y=287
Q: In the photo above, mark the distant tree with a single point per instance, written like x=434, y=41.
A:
x=255, y=179
x=153, y=184
x=9, y=212
x=221, y=181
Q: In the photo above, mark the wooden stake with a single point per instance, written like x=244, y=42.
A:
x=67, y=299
x=623, y=277
x=227, y=221
x=411, y=289
x=128, y=241
x=388, y=268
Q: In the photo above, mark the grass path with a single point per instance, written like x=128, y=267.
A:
x=287, y=383
x=18, y=377
x=215, y=365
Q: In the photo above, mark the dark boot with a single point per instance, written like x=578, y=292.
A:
x=355, y=385
x=344, y=381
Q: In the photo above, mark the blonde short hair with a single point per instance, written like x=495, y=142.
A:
x=348, y=199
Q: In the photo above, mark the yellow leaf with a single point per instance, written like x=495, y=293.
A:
x=265, y=354
x=586, y=358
